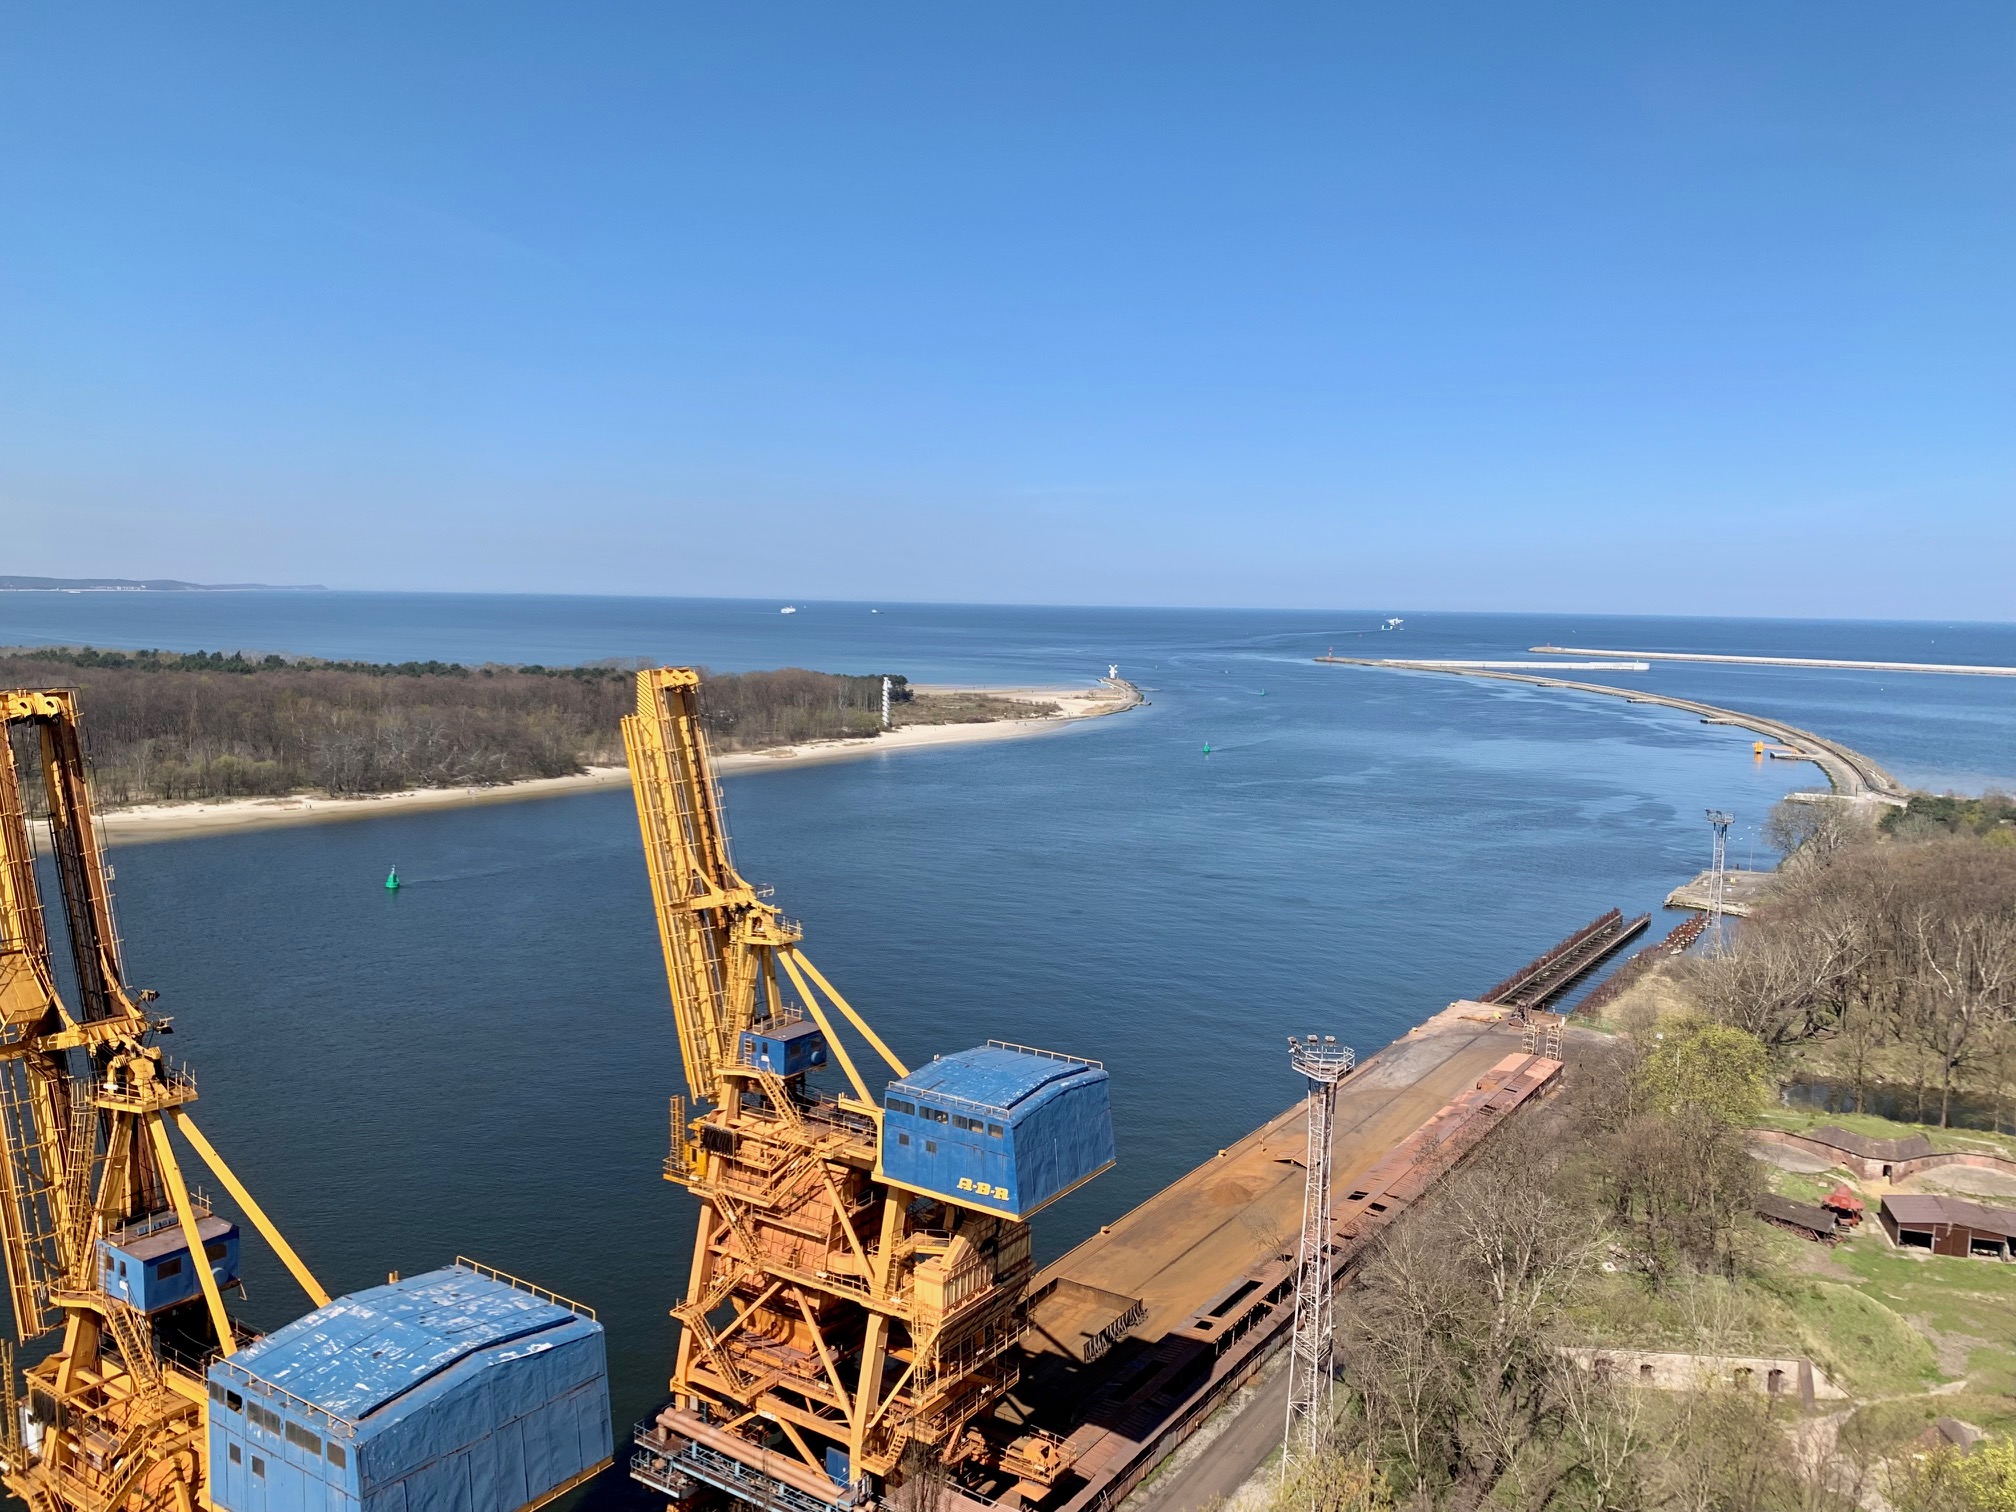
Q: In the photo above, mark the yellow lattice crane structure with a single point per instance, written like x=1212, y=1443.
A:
x=107, y=1248
x=860, y=1270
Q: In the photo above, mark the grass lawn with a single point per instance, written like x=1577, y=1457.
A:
x=1887, y=1427
x=1970, y=1305
x=1880, y=1322
x=1803, y=1188
x=1889, y=1323
x=1864, y=1339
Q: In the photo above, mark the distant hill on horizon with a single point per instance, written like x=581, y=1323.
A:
x=145, y=585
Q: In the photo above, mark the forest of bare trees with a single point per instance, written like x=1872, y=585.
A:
x=167, y=726
x=1620, y=1214
x=1461, y=1380
x=1888, y=952
x=1470, y=1342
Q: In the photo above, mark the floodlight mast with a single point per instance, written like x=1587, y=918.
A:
x=1718, y=872
x=1312, y=1350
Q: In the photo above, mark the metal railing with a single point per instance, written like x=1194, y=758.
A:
x=1076, y=1060
x=153, y=1223
x=255, y=1386
x=580, y=1309
x=671, y=1464
x=173, y=1084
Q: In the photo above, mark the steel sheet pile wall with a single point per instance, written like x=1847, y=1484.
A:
x=448, y=1392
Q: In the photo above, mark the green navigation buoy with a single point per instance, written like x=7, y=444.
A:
x=392, y=880
x=1207, y=748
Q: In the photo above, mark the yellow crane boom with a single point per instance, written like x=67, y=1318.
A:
x=723, y=943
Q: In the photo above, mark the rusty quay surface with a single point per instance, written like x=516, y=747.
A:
x=1139, y=1333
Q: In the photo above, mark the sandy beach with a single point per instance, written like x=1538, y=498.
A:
x=173, y=821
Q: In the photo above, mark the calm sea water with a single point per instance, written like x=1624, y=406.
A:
x=480, y=1063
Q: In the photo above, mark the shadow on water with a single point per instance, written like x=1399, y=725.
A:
x=1898, y=1103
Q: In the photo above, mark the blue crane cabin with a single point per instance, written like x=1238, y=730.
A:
x=788, y=1049
x=146, y=1264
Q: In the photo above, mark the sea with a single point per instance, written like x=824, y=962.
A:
x=480, y=1064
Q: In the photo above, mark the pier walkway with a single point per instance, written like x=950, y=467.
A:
x=1539, y=982
x=1849, y=772
x=1742, y=891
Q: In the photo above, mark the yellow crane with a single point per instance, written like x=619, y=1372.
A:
x=103, y=1239
x=859, y=1275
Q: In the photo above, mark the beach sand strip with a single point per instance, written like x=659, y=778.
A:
x=173, y=821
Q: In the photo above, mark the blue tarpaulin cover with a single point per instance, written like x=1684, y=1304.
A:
x=991, y=1075
x=448, y=1392
x=997, y=1128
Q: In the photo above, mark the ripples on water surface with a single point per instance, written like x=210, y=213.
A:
x=481, y=1062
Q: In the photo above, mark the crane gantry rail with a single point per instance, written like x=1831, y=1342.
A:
x=860, y=1272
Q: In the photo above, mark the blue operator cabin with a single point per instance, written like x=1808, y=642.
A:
x=147, y=1266
x=1002, y=1128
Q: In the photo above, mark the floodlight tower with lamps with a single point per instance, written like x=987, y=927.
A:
x=1311, y=1352
x=1718, y=871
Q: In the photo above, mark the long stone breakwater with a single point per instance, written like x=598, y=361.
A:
x=1849, y=772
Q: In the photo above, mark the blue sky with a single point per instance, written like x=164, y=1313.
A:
x=1702, y=308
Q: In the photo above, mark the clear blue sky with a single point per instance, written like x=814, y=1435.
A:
x=1705, y=307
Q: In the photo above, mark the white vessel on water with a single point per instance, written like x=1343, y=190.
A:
x=788, y=609
x=1393, y=624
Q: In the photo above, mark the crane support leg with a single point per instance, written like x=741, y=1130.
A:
x=256, y=1213
x=178, y=1193
x=696, y=1286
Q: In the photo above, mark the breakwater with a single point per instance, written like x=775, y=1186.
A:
x=1849, y=772
x=1726, y=659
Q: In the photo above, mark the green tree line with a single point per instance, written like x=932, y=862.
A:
x=170, y=726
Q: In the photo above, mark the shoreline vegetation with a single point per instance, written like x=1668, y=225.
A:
x=1881, y=957
x=208, y=742
x=1644, y=1230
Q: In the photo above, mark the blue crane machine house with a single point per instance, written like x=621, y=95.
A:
x=1002, y=1128
x=455, y=1391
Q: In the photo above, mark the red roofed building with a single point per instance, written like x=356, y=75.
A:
x=1845, y=1205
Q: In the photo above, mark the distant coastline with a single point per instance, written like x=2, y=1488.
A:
x=17, y=584
x=174, y=821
